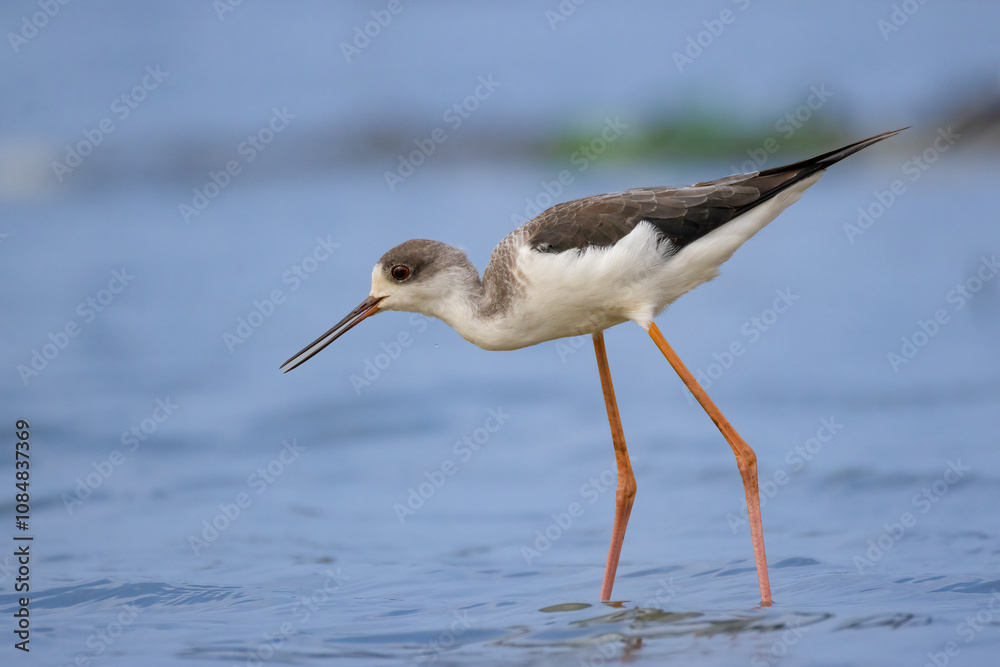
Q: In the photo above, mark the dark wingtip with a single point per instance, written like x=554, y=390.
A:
x=825, y=160
x=837, y=155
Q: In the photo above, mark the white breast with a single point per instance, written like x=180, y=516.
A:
x=576, y=292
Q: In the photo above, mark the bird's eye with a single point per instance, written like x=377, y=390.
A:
x=400, y=272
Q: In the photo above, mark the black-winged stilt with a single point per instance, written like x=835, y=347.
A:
x=582, y=266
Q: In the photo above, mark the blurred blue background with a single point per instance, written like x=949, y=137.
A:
x=192, y=191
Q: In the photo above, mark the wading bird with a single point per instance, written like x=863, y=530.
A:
x=583, y=266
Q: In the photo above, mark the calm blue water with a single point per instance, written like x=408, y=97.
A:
x=405, y=498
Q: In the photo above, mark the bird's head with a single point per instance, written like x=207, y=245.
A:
x=418, y=276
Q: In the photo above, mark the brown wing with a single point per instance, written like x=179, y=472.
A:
x=681, y=215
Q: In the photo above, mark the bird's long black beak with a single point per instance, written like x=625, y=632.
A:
x=367, y=308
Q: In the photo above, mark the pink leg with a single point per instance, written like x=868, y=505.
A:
x=746, y=460
x=626, y=480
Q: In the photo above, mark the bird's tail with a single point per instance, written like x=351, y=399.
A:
x=771, y=182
